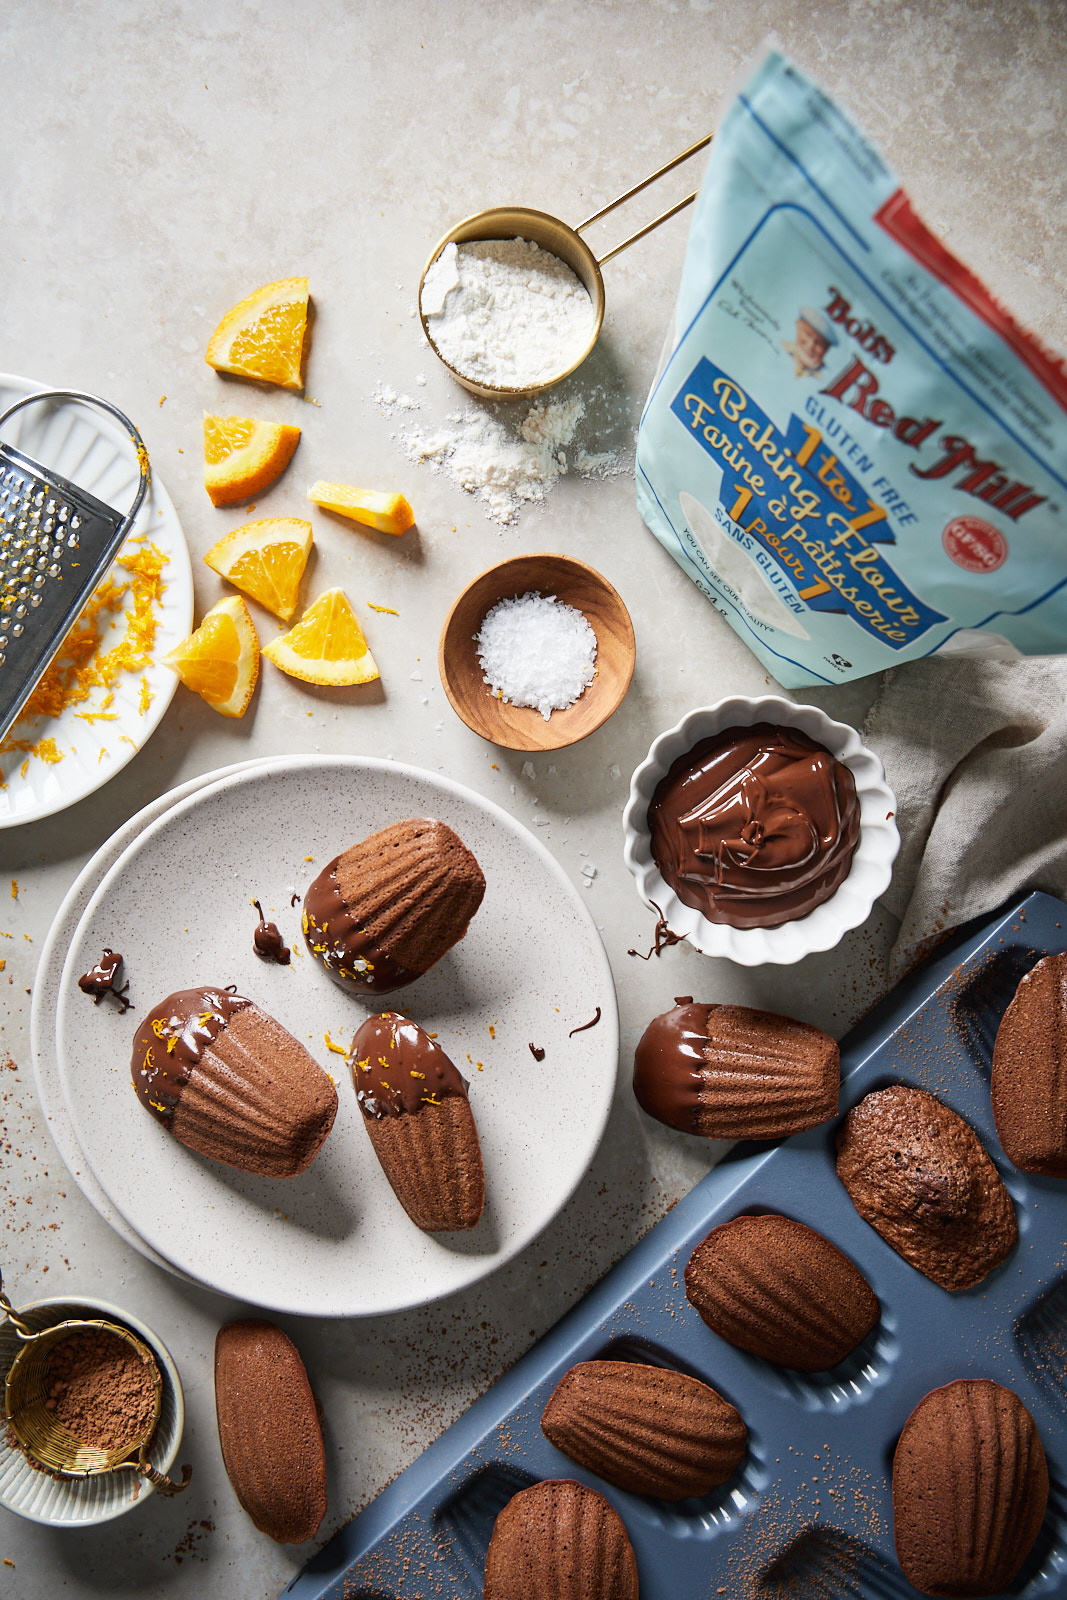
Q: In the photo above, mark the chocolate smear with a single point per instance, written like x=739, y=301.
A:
x=537, y=1053
x=585, y=1025
x=663, y=937
x=268, y=942
x=103, y=979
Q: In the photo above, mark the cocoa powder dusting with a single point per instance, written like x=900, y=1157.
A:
x=100, y=1389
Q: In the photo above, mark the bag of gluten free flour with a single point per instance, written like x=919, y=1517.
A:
x=852, y=448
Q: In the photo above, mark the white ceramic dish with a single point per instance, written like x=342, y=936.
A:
x=821, y=929
x=46, y=991
x=87, y=447
x=81, y=1502
x=335, y=1241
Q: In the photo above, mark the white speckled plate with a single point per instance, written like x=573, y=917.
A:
x=335, y=1241
x=46, y=990
x=94, y=452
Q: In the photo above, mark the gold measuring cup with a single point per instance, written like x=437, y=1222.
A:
x=555, y=236
x=39, y=1431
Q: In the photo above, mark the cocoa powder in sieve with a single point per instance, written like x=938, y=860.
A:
x=100, y=1388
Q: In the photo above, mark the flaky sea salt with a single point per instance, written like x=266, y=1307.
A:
x=535, y=651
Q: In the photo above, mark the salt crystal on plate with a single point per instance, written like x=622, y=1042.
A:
x=535, y=651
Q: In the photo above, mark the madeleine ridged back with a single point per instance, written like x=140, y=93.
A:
x=414, y=887
x=559, y=1540
x=433, y=1160
x=767, y=1076
x=970, y=1487
x=780, y=1290
x=645, y=1429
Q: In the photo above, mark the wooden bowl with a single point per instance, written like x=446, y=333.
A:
x=521, y=727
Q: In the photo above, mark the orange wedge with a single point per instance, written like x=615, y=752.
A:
x=263, y=336
x=326, y=646
x=389, y=513
x=242, y=456
x=220, y=661
x=265, y=559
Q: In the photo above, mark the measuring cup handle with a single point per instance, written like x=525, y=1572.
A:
x=622, y=198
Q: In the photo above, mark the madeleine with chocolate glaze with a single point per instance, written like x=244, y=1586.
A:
x=1029, y=1085
x=559, y=1540
x=970, y=1488
x=920, y=1176
x=415, y=1109
x=387, y=909
x=230, y=1082
x=269, y=1430
x=779, y=1290
x=648, y=1430
x=730, y=1072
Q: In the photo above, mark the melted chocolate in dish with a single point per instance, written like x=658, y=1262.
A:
x=397, y=1067
x=755, y=826
x=171, y=1041
x=268, y=942
x=103, y=979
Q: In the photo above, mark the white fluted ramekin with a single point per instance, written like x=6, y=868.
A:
x=847, y=907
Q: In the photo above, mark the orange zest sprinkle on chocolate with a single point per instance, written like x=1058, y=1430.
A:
x=415, y=1074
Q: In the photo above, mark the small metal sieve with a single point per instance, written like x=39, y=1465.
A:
x=41, y=1434
x=557, y=237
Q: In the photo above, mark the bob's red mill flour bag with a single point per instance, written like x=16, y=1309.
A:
x=854, y=451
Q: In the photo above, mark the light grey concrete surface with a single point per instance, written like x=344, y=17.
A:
x=160, y=161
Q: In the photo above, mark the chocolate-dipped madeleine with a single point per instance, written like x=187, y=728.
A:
x=970, y=1487
x=269, y=1430
x=415, y=1109
x=382, y=913
x=918, y=1174
x=559, y=1540
x=730, y=1072
x=229, y=1082
x=1030, y=1071
x=645, y=1429
x=778, y=1289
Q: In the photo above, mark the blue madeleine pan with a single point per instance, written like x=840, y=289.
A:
x=809, y=1512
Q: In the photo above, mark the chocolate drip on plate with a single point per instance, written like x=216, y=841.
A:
x=397, y=1067
x=104, y=979
x=268, y=942
x=171, y=1041
x=347, y=951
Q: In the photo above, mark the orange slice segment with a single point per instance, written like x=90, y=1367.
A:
x=220, y=661
x=243, y=456
x=389, y=513
x=265, y=559
x=263, y=336
x=326, y=646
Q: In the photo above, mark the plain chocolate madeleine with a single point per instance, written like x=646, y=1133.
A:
x=416, y=1112
x=269, y=1430
x=230, y=1082
x=970, y=1487
x=559, y=1540
x=1030, y=1071
x=779, y=1290
x=918, y=1174
x=731, y=1072
x=645, y=1429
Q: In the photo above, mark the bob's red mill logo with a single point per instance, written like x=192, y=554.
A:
x=859, y=388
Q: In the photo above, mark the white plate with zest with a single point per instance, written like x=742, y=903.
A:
x=93, y=739
x=335, y=1241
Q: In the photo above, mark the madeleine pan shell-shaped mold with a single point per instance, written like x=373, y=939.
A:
x=821, y=929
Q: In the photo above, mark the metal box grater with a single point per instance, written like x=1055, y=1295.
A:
x=56, y=543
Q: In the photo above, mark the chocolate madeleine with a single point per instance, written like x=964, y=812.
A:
x=779, y=1290
x=382, y=913
x=269, y=1430
x=415, y=1109
x=229, y=1082
x=645, y=1429
x=1030, y=1071
x=919, y=1175
x=729, y=1072
x=970, y=1487
x=559, y=1540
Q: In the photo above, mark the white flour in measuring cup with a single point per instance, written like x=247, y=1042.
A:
x=854, y=451
x=506, y=313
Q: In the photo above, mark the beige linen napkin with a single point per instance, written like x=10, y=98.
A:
x=976, y=753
